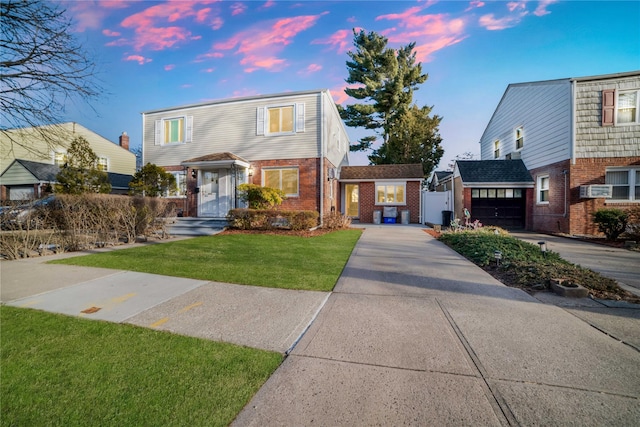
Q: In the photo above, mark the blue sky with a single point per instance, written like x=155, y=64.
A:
x=155, y=54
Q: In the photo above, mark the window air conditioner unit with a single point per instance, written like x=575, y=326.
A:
x=596, y=191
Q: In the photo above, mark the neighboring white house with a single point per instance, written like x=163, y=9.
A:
x=580, y=140
x=29, y=167
x=293, y=141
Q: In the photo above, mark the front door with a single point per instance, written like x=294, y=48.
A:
x=209, y=194
x=352, y=204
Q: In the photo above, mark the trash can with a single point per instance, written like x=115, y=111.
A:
x=404, y=217
x=377, y=217
x=446, y=218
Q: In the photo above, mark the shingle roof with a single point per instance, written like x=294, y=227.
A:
x=48, y=173
x=411, y=171
x=498, y=171
x=215, y=157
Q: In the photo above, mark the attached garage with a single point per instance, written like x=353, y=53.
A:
x=495, y=191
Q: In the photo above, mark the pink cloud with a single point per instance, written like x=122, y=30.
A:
x=490, y=22
x=430, y=32
x=311, y=68
x=169, y=67
x=260, y=45
x=338, y=95
x=268, y=4
x=210, y=55
x=208, y=70
x=474, y=5
x=541, y=10
x=138, y=58
x=516, y=5
x=150, y=27
x=110, y=33
x=341, y=40
x=87, y=15
x=114, y=4
x=238, y=9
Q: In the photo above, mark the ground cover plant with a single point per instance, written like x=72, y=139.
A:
x=524, y=265
x=68, y=371
x=259, y=259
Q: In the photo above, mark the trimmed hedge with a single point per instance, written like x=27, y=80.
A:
x=269, y=219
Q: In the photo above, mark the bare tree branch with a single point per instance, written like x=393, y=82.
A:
x=42, y=68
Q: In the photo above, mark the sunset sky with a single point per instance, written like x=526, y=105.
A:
x=155, y=54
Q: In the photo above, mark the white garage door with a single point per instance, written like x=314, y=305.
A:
x=21, y=193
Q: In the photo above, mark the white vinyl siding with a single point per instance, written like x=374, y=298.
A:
x=238, y=127
x=544, y=109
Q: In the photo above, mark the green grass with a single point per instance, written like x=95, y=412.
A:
x=523, y=264
x=67, y=371
x=277, y=261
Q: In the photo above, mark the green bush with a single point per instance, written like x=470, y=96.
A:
x=269, y=219
x=258, y=197
x=611, y=222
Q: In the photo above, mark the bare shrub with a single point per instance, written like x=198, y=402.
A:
x=336, y=221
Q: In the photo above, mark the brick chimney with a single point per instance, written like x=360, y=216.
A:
x=124, y=141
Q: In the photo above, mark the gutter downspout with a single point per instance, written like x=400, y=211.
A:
x=572, y=142
x=322, y=154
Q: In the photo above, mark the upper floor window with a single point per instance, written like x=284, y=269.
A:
x=102, y=164
x=176, y=130
x=280, y=119
x=627, y=108
x=59, y=158
x=625, y=182
x=496, y=149
x=285, y=179
x=390, y=193
x=519, y=138
x=543, y=189
x=620, y=107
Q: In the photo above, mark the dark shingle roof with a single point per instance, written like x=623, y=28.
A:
x=47, y=173
x=41, y=171
x=412, y=171
x=490, y=171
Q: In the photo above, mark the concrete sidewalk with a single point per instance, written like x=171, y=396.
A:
x=414, y=334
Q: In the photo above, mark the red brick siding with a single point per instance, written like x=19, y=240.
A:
x=368, y=202
x=578, y=218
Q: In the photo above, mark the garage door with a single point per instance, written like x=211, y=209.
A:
x=21, y=193
x=502, y=207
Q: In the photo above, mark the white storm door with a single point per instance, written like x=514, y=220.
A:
x=209, y=197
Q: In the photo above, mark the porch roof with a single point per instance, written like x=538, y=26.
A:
x=411, y=172
x=216, y=159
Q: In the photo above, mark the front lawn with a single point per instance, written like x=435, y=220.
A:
x=67, y=371
x=276, y=261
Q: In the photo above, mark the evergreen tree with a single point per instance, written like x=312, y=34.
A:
x=80, y=173
x=152, y=181
x=413, y=138
x=385, y=78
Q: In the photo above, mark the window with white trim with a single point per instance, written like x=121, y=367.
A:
x=59, y=158
x=388, y=193
x=519, y=138
x=625, y=184
x=543, y=189
x=280, y=119
x=496, y=149
x=285, y=179
x=181, y=184
x=174, y=130
x=627, y=107
x=102, y=164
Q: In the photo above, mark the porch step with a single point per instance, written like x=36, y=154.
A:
x=196, y=226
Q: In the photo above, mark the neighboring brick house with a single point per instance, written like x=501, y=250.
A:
x=29, y=168
x=367, y=189
x=293, y=141
x=580, y=140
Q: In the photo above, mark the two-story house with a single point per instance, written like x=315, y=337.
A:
x=293, y=141
x=30, y=164
x=579, y=138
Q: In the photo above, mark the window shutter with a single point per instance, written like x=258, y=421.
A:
x=260, y=121
x=159, y=132
x=608, y=106
x=189, y=130
x=300, y=117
